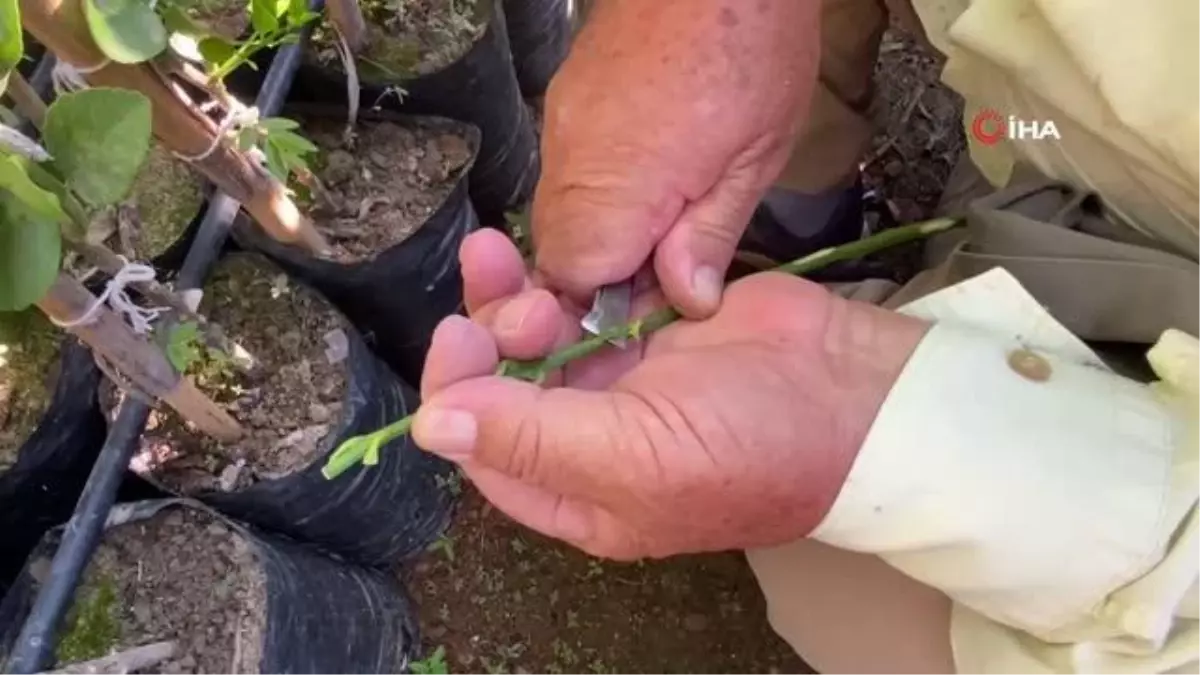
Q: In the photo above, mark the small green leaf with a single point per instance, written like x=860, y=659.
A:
x=11, y=42
x=183, y=345
x=278, y=124
x=14, y=177
x=30, y=247
x=263, y=17
x=215, y=51
x=276, y=162
x=127, y=31
x=99, y=139
x=293, y=143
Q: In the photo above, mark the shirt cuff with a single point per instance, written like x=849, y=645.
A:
x=1009, y=468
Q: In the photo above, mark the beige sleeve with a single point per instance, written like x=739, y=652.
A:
x=1054, y=502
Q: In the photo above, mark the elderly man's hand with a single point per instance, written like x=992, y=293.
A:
x=732, y=432
x=664, y=127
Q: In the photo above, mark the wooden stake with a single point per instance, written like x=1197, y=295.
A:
x=347, y=17
x=137, y=658
x=61, y=27
x=26, y=100
x=136, y=358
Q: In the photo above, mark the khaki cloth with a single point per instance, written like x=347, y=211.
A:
x=1128, y=120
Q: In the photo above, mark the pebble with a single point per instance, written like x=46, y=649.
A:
x=187, y=662
x=319, y=413
x=893, y=168
x=141, y=613
x=229, y=478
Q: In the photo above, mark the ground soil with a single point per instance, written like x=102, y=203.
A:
x=29, y=365
x=288, y=399
x=180, y=575
x=919, y=135
x=500, y=598
x=409, y=38
x=378, y=192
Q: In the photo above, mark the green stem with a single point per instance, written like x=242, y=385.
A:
x=354, y=450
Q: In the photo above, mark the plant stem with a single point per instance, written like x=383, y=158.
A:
x=27, y=101
x=353, y=450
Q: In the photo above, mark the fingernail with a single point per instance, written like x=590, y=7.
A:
x=706, y=285
x=445, y=432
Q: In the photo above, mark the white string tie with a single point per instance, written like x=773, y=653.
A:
x=67, y=77
x=140, y=319
x=237, y=117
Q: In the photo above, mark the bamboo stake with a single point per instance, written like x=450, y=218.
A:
x=26, y=100
x=136, y=358
x=61, y=27
x=128, y=661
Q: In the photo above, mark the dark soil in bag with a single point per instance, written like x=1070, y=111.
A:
x=452, y=59
x=299, y=380
x=539, y=35
x=233, y=599
x=395, y=209
x=51, y=431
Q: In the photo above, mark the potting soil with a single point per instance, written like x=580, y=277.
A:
x=376, y=194
x=408, y=38
x=282, y=382
x=180, y=575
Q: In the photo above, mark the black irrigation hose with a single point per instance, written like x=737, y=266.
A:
x=35, y=645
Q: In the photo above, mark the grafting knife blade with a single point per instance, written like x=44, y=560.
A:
x=610, y=309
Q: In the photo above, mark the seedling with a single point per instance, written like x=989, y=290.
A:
x=434, y=664
x=365, y=449
x=445, y=545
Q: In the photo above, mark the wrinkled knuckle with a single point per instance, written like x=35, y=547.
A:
x=525, y=459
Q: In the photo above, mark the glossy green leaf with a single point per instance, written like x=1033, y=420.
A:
x=11, y=43
x=30, y=247
x=276, y=161
x=278, y=124
x=14, y=177
x=99, y=139
x=216, y=51
x=262, y=16
x=127, y=31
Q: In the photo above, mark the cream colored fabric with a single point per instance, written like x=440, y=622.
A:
x=1120, y=81
x=1058, y=513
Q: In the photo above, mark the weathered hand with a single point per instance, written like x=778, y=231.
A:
x=732, y=432
x=664, y=127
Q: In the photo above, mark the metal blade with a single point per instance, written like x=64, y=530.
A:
x=610, y=309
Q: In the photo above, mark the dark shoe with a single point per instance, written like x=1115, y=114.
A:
x=789, y=225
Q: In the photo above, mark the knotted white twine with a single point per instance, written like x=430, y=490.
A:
x=140, y=319
x=67, y=77
x=237, y=117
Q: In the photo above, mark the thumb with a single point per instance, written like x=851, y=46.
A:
x=562, y=439
x=693, y=257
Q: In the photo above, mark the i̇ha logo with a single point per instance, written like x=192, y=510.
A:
x=989, y=127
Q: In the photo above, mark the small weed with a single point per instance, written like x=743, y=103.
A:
x=572, y=619
x=598, y=666
x=594, y=570
x=564, y=654
x=444, y=544
x=92, y=627
x=444, y=613
x=451, y=482
x=434, y=664
x=518, y=545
